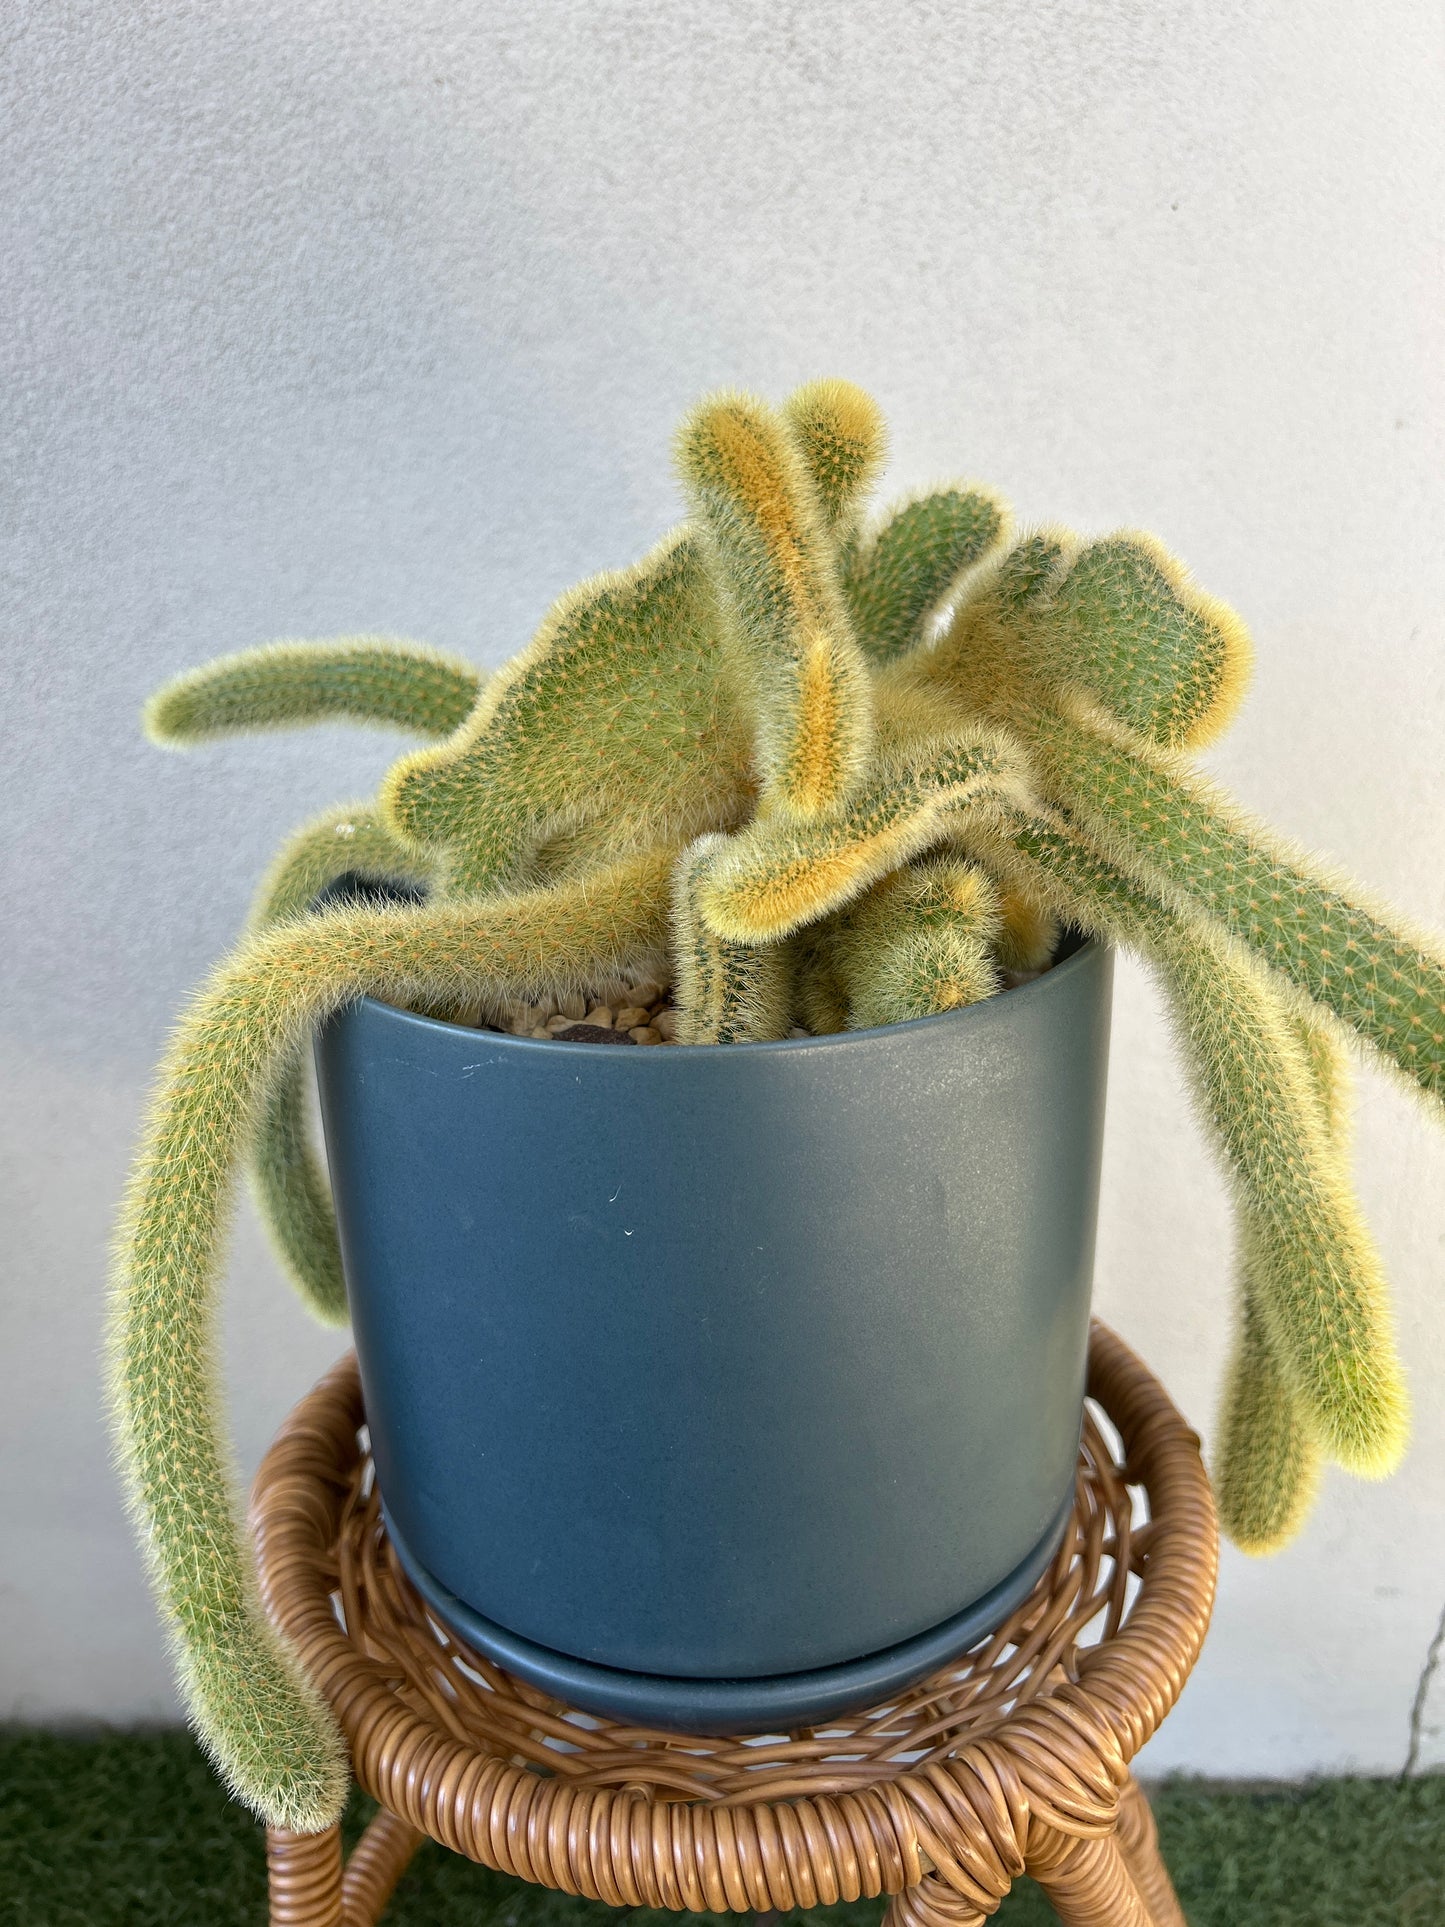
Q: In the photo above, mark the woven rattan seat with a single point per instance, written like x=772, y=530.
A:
x=1013, y=1759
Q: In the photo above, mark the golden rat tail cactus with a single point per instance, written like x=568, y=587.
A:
x=809, y=767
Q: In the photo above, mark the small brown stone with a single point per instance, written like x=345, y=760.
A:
x=664, y=1022
x=645, y=991
x=559, y=1022
x=632, y=1016
x=645, y=1034
x=602, y=1017
x=574, y=1007
x=541, y=1031
x=592, y=1034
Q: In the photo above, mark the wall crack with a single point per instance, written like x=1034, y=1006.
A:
x=1422, y=1695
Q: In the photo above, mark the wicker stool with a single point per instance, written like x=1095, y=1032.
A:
x=1013, y=1759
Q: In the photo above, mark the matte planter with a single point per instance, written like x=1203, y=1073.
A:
x=724, y=1387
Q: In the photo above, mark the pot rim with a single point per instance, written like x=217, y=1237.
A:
x=1040, y=986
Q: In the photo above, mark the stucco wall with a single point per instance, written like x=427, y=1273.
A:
x=322, y=317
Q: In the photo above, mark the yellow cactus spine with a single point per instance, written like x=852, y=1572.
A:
x=269, y=1729
x=363, y=679
x=784, y=616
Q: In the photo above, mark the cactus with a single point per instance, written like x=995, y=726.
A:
x=1267, y=1457
x=901, y=575
x=1028, y=933
x=364, y=679
x=785, y=623
x=263, y=1723
x=775, y=876
x=841, y=439
x=1174, y=829
x=1318, y=1284
x=627, y=707
x=811, y=765
x=918, y=943
x=291, y=1189
x=727, y=993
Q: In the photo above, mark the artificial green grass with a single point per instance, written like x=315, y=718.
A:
x=131, y=1830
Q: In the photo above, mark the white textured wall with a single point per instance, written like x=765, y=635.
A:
x=321, y=316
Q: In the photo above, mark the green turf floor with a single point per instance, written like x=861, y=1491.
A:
x=132, y=1831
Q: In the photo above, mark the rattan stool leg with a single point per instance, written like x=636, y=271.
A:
x=1089, y=1882
x=1139, y=1837
x=930, y=1903
x=304, y=1876
x=379, y=1861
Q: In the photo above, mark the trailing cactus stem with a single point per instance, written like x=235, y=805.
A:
x=289, y=1180
x=348, y=840
x=727, y=993
x=777, y=875
x=1183, y=836
x=362, y=679
x=264, y=1723
x=292, y=1193
x=785, y=620
x=1266, y=1458
x=1321, y=1290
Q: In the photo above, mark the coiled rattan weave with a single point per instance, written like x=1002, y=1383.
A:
x=1012, y=1759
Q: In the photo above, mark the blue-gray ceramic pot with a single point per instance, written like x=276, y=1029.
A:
x=724, y=1387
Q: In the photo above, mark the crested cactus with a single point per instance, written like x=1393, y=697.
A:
x=807, y=766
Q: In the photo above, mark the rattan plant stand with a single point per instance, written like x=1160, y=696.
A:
x=1014, y=1759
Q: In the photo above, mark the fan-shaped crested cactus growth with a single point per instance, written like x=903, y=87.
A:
x=801, y=768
